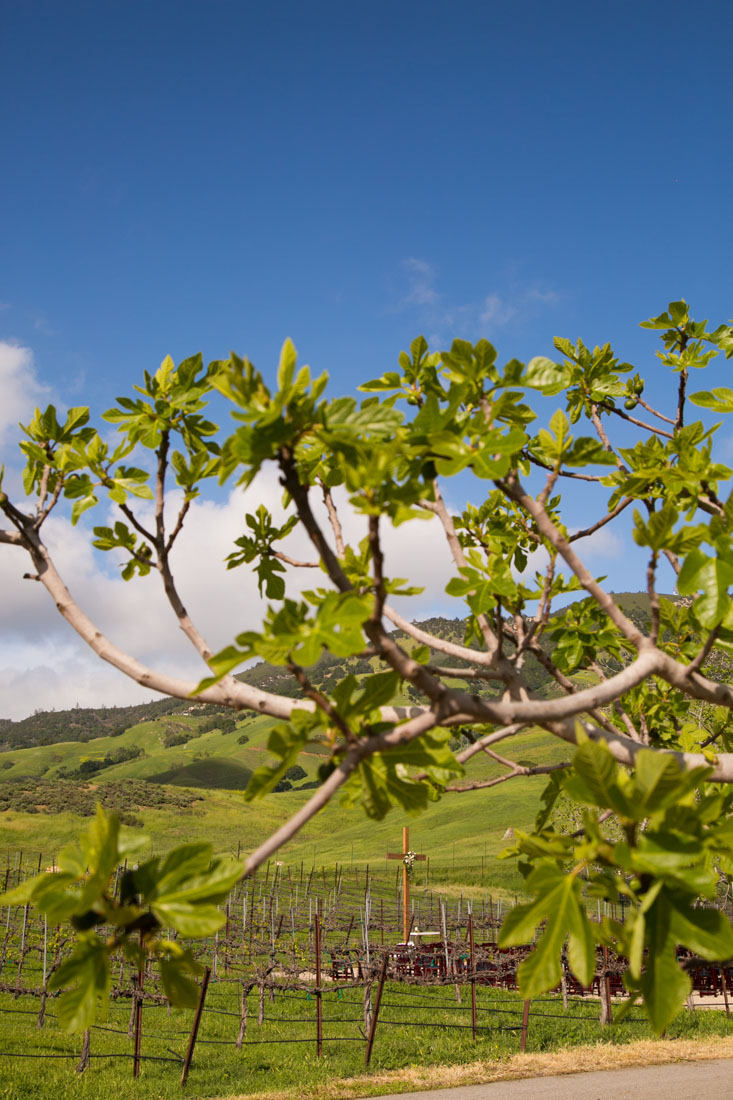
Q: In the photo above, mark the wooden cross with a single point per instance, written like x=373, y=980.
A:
x=406, y=921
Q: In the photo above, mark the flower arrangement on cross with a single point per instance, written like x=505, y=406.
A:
x=409, y=861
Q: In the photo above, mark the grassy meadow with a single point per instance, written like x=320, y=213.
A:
x=460, y=833
x=417, y=1028
x=463, y=835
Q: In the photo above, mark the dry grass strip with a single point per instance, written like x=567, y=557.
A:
x=645, y=1052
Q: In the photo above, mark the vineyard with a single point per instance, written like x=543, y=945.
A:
x=311, y=977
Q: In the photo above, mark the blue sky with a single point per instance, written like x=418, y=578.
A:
x=205, y=176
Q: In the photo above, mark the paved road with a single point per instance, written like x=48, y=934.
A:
x=683, y=1081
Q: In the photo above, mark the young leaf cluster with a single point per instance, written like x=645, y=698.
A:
x=179, y=892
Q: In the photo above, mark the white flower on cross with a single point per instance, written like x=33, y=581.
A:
x=409, y=861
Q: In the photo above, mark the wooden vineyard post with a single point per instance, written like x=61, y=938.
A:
x=319, y=1005
x=195, y=1026
x=252, y=919
x=84, y=1059
x=724, y=985
x=472, y=960
x=367, y=918
x=444, y=931
x=21, y=958
x=367, y=1005
x=246, y=988
x=406, y=922
x=375, y=1010
x=138, y=1016
x=525, y=1027
x=606, y=1011
x=6, y=940
x=138, y=1026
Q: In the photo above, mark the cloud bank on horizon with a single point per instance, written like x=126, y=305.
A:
x=44, y=665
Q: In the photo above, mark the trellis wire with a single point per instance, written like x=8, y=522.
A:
x=276, y=951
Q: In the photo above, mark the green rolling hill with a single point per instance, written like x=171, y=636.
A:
x=178, y=771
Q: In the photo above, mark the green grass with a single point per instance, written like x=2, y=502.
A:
x=411, y=1031
x=458, y=833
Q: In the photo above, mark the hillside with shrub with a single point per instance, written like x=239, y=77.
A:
x=88, y=723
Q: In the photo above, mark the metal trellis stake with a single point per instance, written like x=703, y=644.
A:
x=525, y=1026
x=375, y=1011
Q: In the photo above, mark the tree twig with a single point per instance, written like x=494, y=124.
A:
x=519, y=770
x=322, y=702
x=333, y=518
x=654, y=412
x=564, y=473
x=438, y=508
x=515, y=490
x=635, y=420
x=440, y=645
x=704, y=653
x=601, y=522
x=292, y=561
x=183, y=511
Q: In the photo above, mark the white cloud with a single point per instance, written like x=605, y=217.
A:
x=45, y=665
x=601, y=544
x=515, y=301
x=537, y=562
x=421, y=277
x=62, y=682
x=543, y=297
x=21, y=390
x=496, y=311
